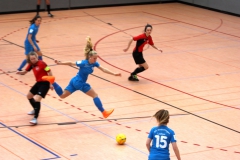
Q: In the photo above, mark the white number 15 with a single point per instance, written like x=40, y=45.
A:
x=161, y=139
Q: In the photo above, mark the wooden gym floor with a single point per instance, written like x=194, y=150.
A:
x=196, y=78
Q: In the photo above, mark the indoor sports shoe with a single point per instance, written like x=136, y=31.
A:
x=50, y=79
x=34, y=121
x=50, y=15
x=31, y=112
x=133, y=78
x=107, y=113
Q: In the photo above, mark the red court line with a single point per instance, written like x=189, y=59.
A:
x=116, y=122
x=144, y=77
x=170, y=87
x=191, y=24
x=115, y=83
x=11, y=152
x=95, y=46
x=202, y=57
x=221, y=22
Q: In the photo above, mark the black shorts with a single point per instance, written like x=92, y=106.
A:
x=138, y=57
x=40, y=88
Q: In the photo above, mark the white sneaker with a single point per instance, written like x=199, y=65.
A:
x=31, y=112
x=34, y=121
x=50, y=15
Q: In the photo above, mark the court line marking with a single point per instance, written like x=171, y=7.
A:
x=113, y=138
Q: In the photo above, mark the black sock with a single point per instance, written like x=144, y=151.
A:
x=38, y=8
x=138, y=70
x=32, y=102
x=37, y=109
x=48, y=9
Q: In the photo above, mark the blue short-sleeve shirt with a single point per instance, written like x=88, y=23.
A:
x=33, y=30
x=85, y=68
x=161, y=137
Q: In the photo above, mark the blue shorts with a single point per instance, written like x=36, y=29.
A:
x=29, y=48
x=77, y=84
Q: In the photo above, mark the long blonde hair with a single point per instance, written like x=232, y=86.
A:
x=162, y=117
x=88, y=51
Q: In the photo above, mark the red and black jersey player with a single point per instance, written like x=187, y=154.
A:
x=142, y=40
x=41, y=87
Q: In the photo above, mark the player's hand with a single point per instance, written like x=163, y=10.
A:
x=35, y=48
x=160, y=50
x=125, y=50
x=117, y=74
x=20, y=72
x=56, y=61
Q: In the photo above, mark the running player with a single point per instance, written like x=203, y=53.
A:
x=41, y=87
x=161, y=136
x=142, y=40
x=30, y=43
x=79, y=81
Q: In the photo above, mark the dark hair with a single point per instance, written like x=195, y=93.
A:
x=148, y=25
x=34, y=19
x=162, y=116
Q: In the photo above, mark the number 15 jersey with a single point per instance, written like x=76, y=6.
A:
x=161, y=137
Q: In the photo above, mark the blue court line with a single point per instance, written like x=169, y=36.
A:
x=30, y=140
x=113, y=138
x=50, y=158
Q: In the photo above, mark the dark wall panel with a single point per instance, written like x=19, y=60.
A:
x=58, y=4
x=17, y=5
x=7, y=6
x=201, y=2
x=231, y=6
x=83, y=3
x=188, y=1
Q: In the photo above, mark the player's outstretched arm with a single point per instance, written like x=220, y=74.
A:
x=21, y=72
x=65, y=63
x=105, y=70
x=156, y=48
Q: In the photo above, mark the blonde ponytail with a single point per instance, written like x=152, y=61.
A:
x=88, y=51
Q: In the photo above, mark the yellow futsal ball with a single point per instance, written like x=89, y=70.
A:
x=121, y=138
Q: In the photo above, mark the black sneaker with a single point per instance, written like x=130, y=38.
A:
x=133, y=78
x=50, y=15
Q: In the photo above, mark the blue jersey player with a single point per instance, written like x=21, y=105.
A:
x=79, y=81
x=161, y=136
x=30, y=43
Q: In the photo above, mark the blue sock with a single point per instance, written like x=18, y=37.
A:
x=40, y=57
x=57, y=89
x=24, y=62
x=98, y=103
